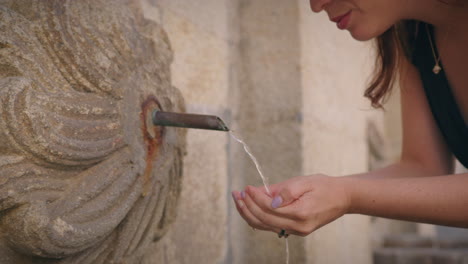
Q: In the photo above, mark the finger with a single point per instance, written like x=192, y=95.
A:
x=265, y=203
x=256, y=223
x=267, y=217
x=275, y=189
x=290, y=191
x=301, y=211
x=262, y=199
x=246, y=214
x=236, y=195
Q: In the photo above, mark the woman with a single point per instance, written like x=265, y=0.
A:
x=414, y=39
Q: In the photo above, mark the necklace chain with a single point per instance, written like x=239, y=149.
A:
x=437, y=68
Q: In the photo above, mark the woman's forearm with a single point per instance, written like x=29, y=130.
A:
x=433, y=199
x=402, y=169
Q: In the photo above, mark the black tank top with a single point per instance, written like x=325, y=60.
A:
x=439, y=95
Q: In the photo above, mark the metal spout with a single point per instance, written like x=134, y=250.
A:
x=161, y=118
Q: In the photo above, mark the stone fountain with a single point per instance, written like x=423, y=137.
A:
x=85, y=177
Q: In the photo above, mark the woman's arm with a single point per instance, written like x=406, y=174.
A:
x=403, y=195
x=401, y=169
x=437, y=200
x=412, y=189
x=423, y=144
x=424, y=152
x=303, y=204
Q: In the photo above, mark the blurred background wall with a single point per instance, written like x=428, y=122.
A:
x=291, y=85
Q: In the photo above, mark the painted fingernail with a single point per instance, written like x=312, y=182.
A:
x=243, y=194
x=233, y=196
x=240, y=203
x=277, y=201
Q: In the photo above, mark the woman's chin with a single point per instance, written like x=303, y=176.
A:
x=362, y=35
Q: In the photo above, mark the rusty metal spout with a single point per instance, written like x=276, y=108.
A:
x=161, y=118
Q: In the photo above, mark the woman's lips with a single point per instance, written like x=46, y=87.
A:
x=343, y=20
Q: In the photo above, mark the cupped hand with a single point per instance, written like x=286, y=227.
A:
x=299, y=205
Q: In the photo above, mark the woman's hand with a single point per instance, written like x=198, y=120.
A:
x=299, y=205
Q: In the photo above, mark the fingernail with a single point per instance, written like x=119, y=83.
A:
x=277, y=201
x=233, y=196
x=240, y=203
x=243, y=194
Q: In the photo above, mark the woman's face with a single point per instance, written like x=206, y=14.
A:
x=364, y=19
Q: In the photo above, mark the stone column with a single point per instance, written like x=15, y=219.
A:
x=267, y=115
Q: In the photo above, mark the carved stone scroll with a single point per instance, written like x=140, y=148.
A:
x=84, y=175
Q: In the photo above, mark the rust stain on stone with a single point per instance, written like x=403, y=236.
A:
x=152, y=135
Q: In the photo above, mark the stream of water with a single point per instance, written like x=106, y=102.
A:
x=255, y=161
x=264, y=179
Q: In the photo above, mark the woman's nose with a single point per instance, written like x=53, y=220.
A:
x=318, y=5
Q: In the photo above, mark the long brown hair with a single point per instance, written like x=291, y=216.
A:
x=396, y=42
x=392, y=45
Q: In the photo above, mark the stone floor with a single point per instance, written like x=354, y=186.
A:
x=412, y=248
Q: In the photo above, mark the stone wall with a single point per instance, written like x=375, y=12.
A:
x=200, y=38
x=290, y=84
